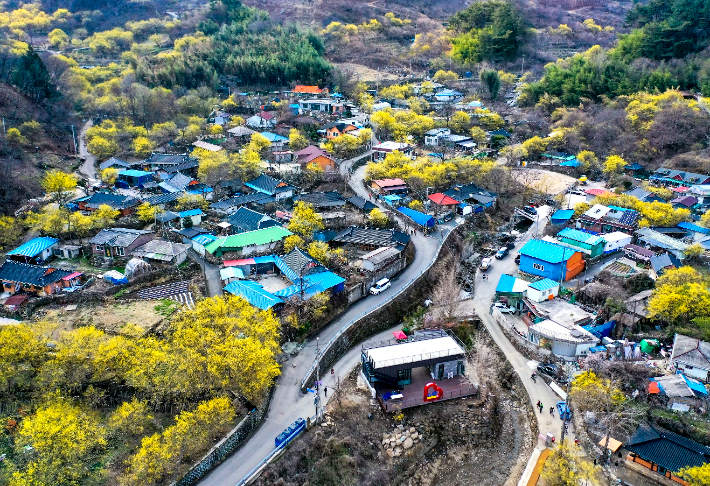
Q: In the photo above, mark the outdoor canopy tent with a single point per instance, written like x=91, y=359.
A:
x=419, y=218
x=649, y=346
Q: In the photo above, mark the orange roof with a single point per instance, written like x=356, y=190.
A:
x=600, y=192
x=307, y=89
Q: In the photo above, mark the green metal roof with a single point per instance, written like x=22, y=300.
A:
x=258, y=237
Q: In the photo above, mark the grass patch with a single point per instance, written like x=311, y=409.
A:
x=166, y=307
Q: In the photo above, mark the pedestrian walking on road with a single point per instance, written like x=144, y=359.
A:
x=541, y=406
x=538, y=403
x=552, y=411
x=332, y=371
x=325, y=390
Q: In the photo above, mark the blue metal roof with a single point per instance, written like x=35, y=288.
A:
x=190, y=212
x=419, y=218
x=253, y=293
x=695, y=385
x=505, y=284
x=570, y=163
x=204, y=239
x=544, y=284
x=694, y=227
x=565, y=214
x=546, y=251
x=312, y=284
x=34, y=247
x=273, y=137
x=582, y=236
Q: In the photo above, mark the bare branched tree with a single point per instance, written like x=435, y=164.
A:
x=447, y=294
x=482, y=364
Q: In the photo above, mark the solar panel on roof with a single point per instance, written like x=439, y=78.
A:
x=628, y=217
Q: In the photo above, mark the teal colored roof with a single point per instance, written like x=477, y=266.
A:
x=190, y=212
x=258, y=237
x=617, y=208
x=582, y=236
x=544, y=284
x=546, y=251
x=204, y=239
x=253, y=293
x=565, y=214
x=505, y=284
x=34, y=247
x=134, y=173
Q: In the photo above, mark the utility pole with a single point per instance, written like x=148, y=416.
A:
x=4, y=133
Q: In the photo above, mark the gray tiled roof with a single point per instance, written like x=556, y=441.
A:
x=115, y=201
x=372, y=237
x=179, y=181
x=117, y=237
x=247, y=220
x=166, y=159
x=188, y=164
x=361, y=203
x=12, y=271
x=240, y=200
x=164, y=198
x=298, y=261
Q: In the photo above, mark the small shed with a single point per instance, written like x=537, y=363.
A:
x=561, y=216
x=133, y=178
x=542, y=290
x=616, y=241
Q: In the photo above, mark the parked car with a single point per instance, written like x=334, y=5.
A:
x=485, y=264
x=550, y=370
x=504, y=308
x=380, y=286
x=563, y=411
x=517, y=258
x=502, y=252
x=530, y=210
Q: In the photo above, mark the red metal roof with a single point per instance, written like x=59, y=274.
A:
x=442, y=199
x=72, y=275
x=680, y=189
x=15, y=300
x=236, y=263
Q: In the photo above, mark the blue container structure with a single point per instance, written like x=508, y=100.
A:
x=290, y=432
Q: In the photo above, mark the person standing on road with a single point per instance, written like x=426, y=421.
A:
x=325, y=390
x=552, y=411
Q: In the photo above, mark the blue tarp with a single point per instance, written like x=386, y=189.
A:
x=601, y=331
x=419, y=218
x=570, y=163
x=598, y=349
x=562, y=215
x=695, y=385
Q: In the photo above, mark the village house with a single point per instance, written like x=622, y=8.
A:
x=561, y=326
x=660, y=264
x=133, y=178
x=587, y=243
x=210, y=147
x=327, y=199
x=368, y=239
x=441, y=203
x=423, y=368
x=307, y=90
x=33, y=279
x=379, y=258
x=550, y=260
x=114, y=163
x=159, y=251
x=241, y=133
x=37, y=250
x=562, y=216
x=602, y=219
x=665, y=452
x=336, y=129
x=245, y=219
x=271, y=187
x=230, y=205
x=386, y=187
x=118, y=242
x=314, y=156
x=262, y=120
x=616, y=241
x=167, y=163
x=643, y=195
x=657, y=240
x=422, y=219
x=472, y=194
x=380, y=151
x=362, y=204
x=433, y=136
x=258, y=241
x=684, y=202
x=124, y=204
x=278, y=142
x=672, y=177
x=691, y=356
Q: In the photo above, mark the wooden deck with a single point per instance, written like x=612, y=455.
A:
x=413, y=394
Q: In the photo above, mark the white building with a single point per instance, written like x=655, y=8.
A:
x=561, y=328
x=616, y=241
x=433, y=136
x=542, y=290
x=379, y=258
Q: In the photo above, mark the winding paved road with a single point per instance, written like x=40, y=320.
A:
x=288, y=403
x=88, y=168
